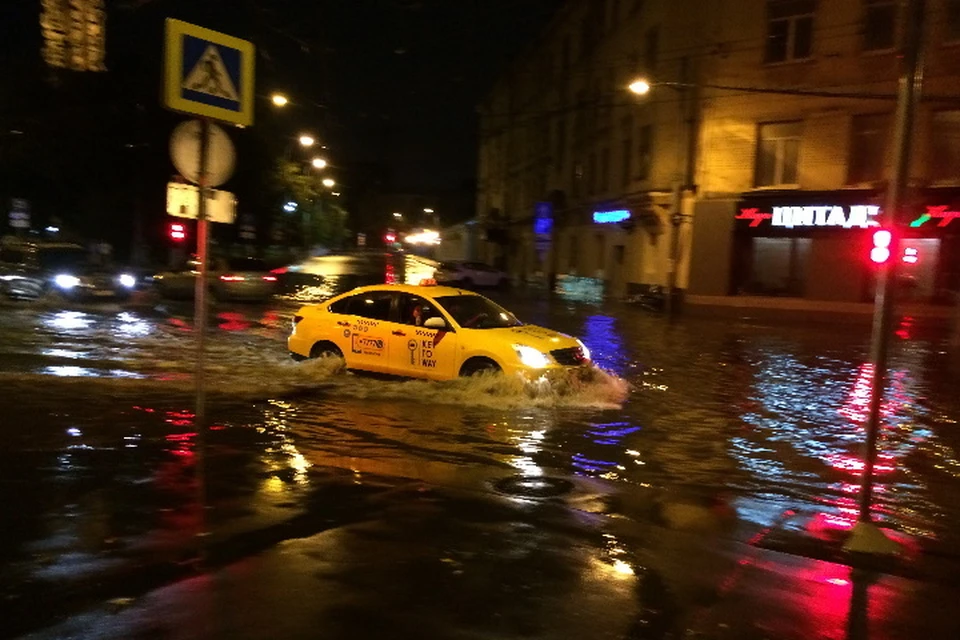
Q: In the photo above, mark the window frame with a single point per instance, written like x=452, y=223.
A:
x=792, y=21
x=876, y=5
x=882, y=135
x=937, y=137
x=350, y=300
x=778, y=172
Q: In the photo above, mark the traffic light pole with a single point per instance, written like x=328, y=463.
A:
x=866, y=537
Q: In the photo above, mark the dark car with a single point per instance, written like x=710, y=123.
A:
x=230, y=279
x=31, y=269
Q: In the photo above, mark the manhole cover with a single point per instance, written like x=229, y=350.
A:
x=536, y=487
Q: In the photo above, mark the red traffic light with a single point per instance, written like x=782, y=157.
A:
x=178, y=232
x=389, y=237
x=882, y=239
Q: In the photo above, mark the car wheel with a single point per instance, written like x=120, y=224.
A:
x=479, y=366
x=325, y=350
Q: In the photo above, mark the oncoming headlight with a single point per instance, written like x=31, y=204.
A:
x=65, y=281
x=531, y=357
x=127, y=280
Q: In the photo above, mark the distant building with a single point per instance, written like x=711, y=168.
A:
x=737, y=174
x=74, y=34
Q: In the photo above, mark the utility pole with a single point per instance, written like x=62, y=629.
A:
x=866, y=537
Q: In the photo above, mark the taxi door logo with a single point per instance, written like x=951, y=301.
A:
x=421, y=353
x=366, y=345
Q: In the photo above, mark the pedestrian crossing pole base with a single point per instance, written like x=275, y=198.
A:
x=867, y=538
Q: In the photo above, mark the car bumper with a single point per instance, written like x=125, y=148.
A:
x=299, y=345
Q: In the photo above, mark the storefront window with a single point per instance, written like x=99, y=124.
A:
x=945, y=165
x=778, y=153
x=777, y=266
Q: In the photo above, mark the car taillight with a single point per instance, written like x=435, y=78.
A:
x=296, y=320
x=270, y=278
x=231, y=278
x=279, y=270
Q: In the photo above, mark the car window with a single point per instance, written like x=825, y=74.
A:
x=62, y=257
x=374, y=305
x=416, y=310
x=477, y=312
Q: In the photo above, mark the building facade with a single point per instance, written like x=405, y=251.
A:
x=755, y=165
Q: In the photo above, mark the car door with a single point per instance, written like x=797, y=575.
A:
x=366, y=328
x=418, y=351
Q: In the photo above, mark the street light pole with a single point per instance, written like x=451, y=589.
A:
x=866, y=537
x=683, y=182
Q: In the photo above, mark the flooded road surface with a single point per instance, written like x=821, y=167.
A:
x=745, y=418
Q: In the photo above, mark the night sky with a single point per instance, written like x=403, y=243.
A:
x=385, y=81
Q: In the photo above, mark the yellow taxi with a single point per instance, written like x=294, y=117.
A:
x=429, y=331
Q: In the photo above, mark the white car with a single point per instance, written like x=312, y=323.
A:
x=470, y=274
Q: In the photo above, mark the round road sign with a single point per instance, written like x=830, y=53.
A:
x=185, y=153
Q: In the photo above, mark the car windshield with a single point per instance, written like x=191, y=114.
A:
x=62, y=258
x=477, y=312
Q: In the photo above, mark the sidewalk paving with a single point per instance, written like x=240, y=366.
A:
x=428, y=563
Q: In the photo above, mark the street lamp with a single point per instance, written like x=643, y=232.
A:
x=318, y=163
x=306, y=140
x=279, y=100
x=328, y=182
x=640, y=87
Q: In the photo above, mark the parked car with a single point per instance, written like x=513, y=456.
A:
x=30, y=269
x=471, y=274
x=230, y=279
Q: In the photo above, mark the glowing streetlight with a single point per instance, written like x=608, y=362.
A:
x=306, y=140
x=318, y=163
x=397, y=215
x=427, y=210
x=640, y=87
x=279, y=100
x=328, y=182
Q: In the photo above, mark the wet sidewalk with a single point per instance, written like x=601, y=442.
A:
x=425, y=563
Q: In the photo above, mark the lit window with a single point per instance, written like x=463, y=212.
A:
x=945, y=152
x=879, y=25
x=868, y=147
x=777, y=154
x=789, y=30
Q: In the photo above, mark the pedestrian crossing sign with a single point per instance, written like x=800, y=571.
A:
x=208, y=73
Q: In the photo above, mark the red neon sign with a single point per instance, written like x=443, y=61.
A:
x=754, y=216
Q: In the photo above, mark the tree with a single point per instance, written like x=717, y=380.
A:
x=318, y=218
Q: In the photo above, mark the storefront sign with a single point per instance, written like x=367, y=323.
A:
x=940, y=213
x=856, y=216
x=543, y=219
x=608, y=217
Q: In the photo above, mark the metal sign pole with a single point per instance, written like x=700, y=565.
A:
x=200, y=319
x=866, y=537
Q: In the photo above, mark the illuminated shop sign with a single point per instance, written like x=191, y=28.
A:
x=607, y=217
x=856, y=216
x=940, y=213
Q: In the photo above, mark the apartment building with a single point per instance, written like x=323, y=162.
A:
x=755, y=165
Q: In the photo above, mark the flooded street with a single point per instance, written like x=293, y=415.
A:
x=743, y=419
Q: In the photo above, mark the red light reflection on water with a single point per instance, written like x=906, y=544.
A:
x=853, y=464
x=233, y=321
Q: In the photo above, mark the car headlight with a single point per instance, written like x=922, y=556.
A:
x=531, y=357
x=127, y=280
x=65, y=281
x=583, y=347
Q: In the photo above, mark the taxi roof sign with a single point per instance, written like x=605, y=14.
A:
x=208, y=73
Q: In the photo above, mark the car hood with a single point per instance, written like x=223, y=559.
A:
x=541, y=338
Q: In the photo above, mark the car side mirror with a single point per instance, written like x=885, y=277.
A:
x=436, y=322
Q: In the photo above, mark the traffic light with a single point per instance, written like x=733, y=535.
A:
x=178, y=232
x=880, y=253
